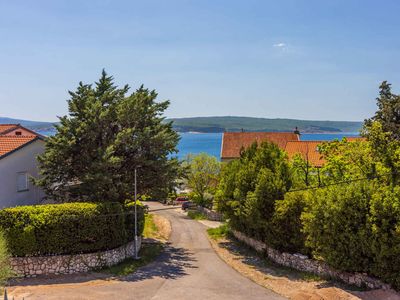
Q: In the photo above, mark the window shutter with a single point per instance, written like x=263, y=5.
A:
x=22, y=182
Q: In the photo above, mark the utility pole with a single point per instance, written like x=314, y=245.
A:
x=136, y=236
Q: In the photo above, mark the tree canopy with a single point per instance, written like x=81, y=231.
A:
x=106, y=135
x=202, y=177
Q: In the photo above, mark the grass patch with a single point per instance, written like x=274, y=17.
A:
x=219, y=232
x=147, y=254
x=150, y=228
x=195, y=215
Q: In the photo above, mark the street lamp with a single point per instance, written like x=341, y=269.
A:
x=136, y=225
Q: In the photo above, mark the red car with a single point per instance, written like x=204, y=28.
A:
x=181, y=199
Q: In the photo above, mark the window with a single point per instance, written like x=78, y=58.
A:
x=22, y=182
x=18, y=133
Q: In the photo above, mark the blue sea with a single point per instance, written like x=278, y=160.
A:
x=210, y=143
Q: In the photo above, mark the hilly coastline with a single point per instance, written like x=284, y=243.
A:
x=229, y=123
x=232, y=123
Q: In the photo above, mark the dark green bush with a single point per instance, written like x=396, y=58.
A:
x=5, y=269
x=286, y=223
x=68, y=228
x=130, y=219
x=249, y=188
x=385, y=246
x=337, y=226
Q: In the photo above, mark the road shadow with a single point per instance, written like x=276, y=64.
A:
x=172, y=263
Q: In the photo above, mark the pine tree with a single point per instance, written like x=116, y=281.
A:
x=107, y=134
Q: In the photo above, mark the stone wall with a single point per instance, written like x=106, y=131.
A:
x=210, y=214
x=68, y=264
x=303, y=263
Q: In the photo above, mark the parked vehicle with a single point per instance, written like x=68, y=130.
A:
x=181, y=199
x=187, y=205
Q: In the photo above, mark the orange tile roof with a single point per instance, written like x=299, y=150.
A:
x=307, y=149
x=233, y=142
x=7, y=127
x=9, y=144
x=355, y=139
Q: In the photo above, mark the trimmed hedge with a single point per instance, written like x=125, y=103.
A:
x=5, y=269
x=69, y=228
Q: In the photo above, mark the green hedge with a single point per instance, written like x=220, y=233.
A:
x=337, y=226
x=69, y=228
x=5, y=269
x=286, y=224
x=385, y=227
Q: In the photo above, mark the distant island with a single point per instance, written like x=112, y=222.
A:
x=229, y=123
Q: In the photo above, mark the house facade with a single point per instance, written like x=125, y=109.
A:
x=19, y=148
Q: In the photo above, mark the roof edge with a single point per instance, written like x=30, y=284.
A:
x=37, y=138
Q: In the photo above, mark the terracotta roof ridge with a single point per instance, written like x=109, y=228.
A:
x=17, y=136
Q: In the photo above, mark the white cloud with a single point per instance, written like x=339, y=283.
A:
x=279, y=45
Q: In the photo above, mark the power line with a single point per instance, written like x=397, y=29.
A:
x=336, y=183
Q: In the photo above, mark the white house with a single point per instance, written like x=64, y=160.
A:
x=19, y=148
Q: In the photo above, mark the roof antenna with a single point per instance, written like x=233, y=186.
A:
x=297, y=131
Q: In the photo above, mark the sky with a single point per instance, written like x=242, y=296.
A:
x=305, y=59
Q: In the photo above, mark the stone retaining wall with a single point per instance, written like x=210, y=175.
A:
x=303, y=263
x=68, y=264
x=210, y=214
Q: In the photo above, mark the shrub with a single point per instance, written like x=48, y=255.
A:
x=249, y=188
x=337, y=226
x=68, y=228
x=130, y=219
x=5, y=270
x=219, y=232
x=286, y=223
x=385, y=246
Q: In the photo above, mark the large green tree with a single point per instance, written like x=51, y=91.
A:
x=202, y=177
x=383, y=132
x=107, y=134
x=250, y=186
x=388, y=113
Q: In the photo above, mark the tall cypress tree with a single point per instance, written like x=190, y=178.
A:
x=107, y=134
x=388, y=113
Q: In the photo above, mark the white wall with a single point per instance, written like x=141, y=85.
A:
x=22, y=160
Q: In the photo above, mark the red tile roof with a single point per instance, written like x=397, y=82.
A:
x=233, y=142
x=9, y=144
x=7, y=127
x=307, y=149
x=355, y=139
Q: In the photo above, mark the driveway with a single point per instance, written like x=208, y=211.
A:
x=188, y=269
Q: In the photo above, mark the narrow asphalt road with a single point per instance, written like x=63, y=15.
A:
x=188, y=269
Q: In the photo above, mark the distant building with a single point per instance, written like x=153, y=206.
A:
x=308, y=150
x=19, y=148
x=234, y=142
